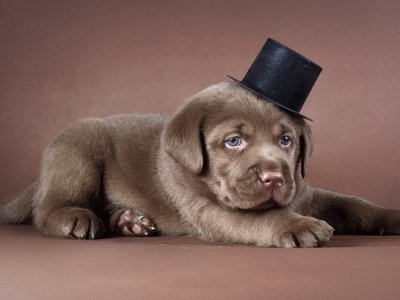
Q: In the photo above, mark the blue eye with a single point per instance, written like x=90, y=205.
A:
x=233, y=142
x=285, y=140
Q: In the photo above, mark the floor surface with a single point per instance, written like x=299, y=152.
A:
x=36, y=267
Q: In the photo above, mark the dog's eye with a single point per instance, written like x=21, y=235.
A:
x=285, y=140
x=233, y=142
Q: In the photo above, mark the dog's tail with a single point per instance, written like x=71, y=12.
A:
x=19, y=211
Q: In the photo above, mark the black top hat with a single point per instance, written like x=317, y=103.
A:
x=281, y=76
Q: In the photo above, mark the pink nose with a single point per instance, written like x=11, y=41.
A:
x=272, y=179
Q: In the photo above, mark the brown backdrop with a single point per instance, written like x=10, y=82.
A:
x=65, y=60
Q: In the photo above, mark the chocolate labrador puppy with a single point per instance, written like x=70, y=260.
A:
x=227, y=167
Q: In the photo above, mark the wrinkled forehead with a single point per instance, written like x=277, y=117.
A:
x=247, y=114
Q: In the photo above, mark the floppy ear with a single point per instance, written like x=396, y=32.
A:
x=306, y=148
x=181, y=138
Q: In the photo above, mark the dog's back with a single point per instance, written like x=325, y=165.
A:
x=100, y=165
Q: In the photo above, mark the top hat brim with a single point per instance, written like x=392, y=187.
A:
x=263, y=96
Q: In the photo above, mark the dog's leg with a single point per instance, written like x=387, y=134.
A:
x=70, y=183
x=131, y=222
x=352, y=215
x=63, y=205
x=272, y=228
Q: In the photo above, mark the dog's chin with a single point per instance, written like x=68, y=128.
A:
x=253, y=204
x=269, y=204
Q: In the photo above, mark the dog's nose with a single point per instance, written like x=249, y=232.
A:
x=271, y=179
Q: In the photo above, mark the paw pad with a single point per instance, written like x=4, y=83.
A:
x=134, y=223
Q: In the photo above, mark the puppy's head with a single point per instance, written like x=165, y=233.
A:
x=249, y=152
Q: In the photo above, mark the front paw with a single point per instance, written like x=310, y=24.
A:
x=306, y=232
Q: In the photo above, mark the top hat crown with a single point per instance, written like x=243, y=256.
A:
x=282, y=76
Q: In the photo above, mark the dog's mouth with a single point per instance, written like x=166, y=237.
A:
x=258, y=198
x=252, y=194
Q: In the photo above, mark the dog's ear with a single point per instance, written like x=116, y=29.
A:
x=182, y=137
x=306, y=147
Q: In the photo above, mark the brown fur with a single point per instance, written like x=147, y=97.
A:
x=177, y=171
